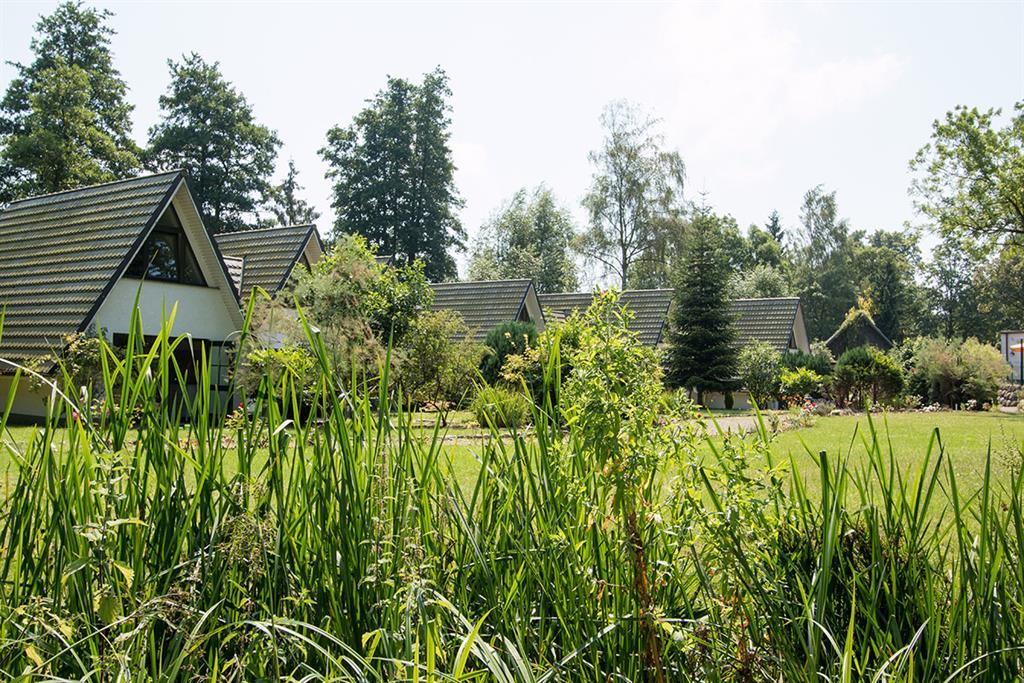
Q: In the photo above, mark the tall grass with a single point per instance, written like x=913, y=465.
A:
x=331, y=542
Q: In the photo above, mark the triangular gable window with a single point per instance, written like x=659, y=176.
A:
x=167, y=254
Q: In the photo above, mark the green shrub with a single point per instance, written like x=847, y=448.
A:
x=865, y=373
x=954, y=373
x=547, y=364
x=507, y=339
x=500, y=407
x=796, y=385
x=819, y=359
x=759, y=365
x=263, y=369
x=439, y=360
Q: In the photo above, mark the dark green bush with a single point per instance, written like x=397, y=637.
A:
x=819, y=360
x=507, y=339
x=864, y=373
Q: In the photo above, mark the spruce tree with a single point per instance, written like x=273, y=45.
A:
x=702, y=334
x=64, y=121
x=287, y=207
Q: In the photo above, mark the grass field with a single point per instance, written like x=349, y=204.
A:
x=966, y=438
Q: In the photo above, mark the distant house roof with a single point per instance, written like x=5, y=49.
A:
x=268, y=255
x=486, y=304
x=648, y=306
x=857, y=330
x=384, y=259
x=777, y=322
x=768, y=320
x=60, y=254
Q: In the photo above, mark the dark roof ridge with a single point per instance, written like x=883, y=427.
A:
x=483, y=282
x=94, y=185
x=767, y=298
x=246, y=231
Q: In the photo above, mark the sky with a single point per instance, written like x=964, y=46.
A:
x=763, y=101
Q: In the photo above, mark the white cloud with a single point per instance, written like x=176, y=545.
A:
x=741, y=75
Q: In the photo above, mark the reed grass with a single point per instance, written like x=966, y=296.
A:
x=144, y=545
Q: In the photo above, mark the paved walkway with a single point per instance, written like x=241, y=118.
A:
x=737, y=424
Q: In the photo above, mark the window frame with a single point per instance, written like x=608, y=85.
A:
x=183, y=249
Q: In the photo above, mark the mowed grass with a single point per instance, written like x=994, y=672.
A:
x=966, y=439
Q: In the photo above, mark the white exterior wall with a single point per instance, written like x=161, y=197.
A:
x=200, y=310
x=27, y=401
x=1014, y=358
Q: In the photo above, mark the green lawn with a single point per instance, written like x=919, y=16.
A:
x=966, y=438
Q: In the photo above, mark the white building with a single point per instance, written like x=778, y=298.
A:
x=75, y=262
x=1011, y=342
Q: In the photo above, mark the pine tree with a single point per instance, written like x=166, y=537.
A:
x=775, y=229
x=64, y=121
x=286, y=205
x=394, y=179
x=702, y=353
x=208, y=129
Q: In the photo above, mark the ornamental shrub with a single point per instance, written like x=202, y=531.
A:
x=796, y=385
x=759, y=365
x=439, y=359
x=819, y=359
x=864, y=373
x=500, y=407
x=507, y=339
x=953, y=373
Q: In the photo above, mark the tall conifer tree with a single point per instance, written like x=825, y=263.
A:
x=394, y=178
x=702, y=333
x=209, y=130
x=64, y=121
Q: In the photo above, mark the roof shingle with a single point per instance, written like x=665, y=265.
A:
x=59, y=252
x=766, y=320
x=269, y=255
x=649, y=308
x=483, y=305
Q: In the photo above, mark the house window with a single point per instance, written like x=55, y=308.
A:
x=167, y=255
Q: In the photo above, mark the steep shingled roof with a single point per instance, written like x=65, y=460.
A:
x=766, y=320
x=268, y=254
x=60, y=253
x=858, y=329
x=648, y=306
x=483, y=305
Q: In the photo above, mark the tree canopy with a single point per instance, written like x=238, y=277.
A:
x=394, y=178
x=635, y=192
x=64, y=119
x=529, y=236
x=970, y=176
x=208, y=129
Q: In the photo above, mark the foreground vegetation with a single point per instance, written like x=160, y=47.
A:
x=608, y=545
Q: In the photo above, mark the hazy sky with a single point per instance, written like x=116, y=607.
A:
x=762, y=101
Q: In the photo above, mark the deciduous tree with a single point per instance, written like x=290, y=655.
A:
x=636, y=188
x=530, y=236
x=971, y=175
